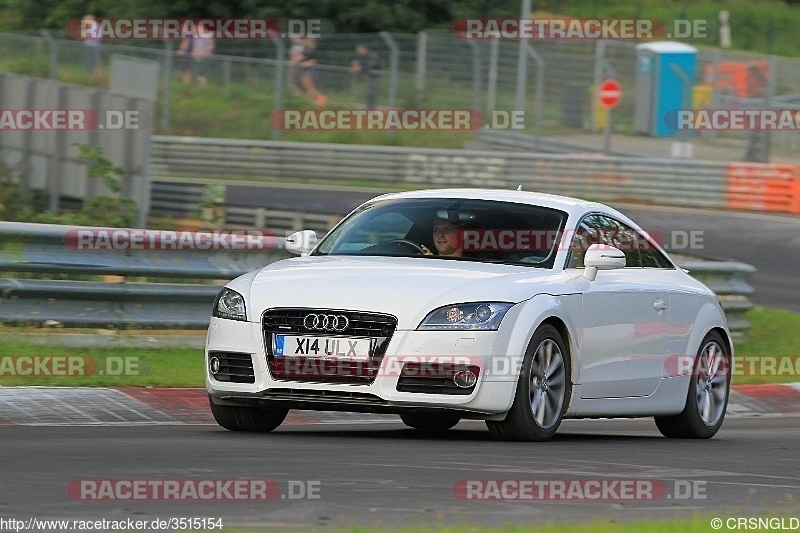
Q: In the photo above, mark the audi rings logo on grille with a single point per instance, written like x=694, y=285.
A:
x=320, y=322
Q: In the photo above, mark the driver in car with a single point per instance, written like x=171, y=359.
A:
x=447, y=239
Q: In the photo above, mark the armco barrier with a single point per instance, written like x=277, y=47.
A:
x=49, y=249
x=41, y=249
x=663, y=181
x=729, y=280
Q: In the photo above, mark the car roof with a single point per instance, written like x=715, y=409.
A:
x=565, y=203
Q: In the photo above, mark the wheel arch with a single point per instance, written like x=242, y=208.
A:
x=563, y=330
x=726, y=337
x=564, y=314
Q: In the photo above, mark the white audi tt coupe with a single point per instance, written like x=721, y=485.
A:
x=517, y=308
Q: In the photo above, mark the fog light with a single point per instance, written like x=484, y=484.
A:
x=464, y=379
x=213, y=365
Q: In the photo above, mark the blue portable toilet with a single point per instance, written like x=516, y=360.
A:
x=660, y=87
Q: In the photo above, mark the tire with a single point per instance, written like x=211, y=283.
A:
x=242, y=418
x=707, y=398
x=543, y=391
x=430, y=422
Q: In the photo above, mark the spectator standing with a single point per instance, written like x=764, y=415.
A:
x=367, y=63
x=201, y=51
x=193, y=55
x=296, y=54
x=309, y=73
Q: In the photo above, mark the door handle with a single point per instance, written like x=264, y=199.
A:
x=659, y=305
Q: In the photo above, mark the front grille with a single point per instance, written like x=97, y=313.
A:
x=434, y=378
x=234, y=367
x=288, y=321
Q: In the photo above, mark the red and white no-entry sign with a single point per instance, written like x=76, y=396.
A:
x=610, y=93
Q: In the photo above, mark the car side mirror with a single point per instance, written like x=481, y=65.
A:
x=301, y=242
x=602, y=257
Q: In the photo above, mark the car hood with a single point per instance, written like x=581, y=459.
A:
x=405, y=287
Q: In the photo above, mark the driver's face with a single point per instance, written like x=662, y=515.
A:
x=446, y=238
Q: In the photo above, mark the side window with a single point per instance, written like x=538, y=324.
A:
x=639, y=252
x=593, y=229
x=630, y=242
x=600, y=229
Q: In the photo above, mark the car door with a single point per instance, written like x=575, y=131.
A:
x=625, y=315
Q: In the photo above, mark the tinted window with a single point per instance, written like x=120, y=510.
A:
x=480, y=230
x=601, y=229
x=639, y=252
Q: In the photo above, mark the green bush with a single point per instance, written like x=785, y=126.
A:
x=18, y=204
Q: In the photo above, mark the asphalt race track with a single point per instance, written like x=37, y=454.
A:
x=385, y=474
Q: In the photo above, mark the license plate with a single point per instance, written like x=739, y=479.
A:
x=350, y=348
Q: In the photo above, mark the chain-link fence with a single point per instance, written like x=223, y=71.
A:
x=434, y=69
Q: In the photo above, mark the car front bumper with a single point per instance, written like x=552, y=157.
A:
x=492, y=394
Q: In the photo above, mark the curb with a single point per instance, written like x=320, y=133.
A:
x=66, y=406
x=769, y=399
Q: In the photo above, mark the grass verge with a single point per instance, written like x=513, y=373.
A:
x=774, y=333
x=70, y=366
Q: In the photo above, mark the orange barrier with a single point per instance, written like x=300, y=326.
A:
x=763, y=187
x=747, y=79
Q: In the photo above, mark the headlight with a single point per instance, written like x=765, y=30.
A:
x=229, y=304
x=485, y=316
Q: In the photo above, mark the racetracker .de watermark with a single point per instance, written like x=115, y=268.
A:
x=377, y=119
x=109, y=239
x=70, y=365
x=544, y=240
x=72, y=119
x=173, y=28
x=397, y=119
x=579, y=29
x=123, y=29
x=193, y=489
x=770, y=366
x=579, y=490
x=733, y=119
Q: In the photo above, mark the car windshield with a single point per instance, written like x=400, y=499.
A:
x=450, y=228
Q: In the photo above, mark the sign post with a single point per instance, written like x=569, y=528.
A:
x=610, y=94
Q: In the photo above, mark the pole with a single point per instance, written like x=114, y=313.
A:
x=522, y=61
x=491, y=90
x=280, y=57
x=394, y=56
x=166, y=87
x=419, y=82
x=476, y=74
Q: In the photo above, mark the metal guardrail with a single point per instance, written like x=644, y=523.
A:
x=47, y=249
x=667, y=181
x=43, y=249
x=512, y=141
x=663, y=181
x=729, y=280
